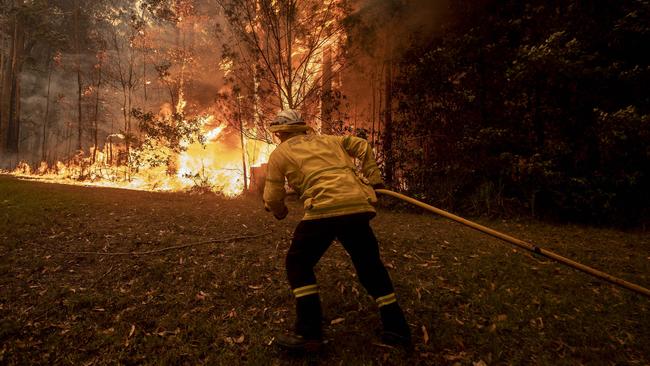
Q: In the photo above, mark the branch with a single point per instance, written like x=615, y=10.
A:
x=172, y=247
x=265, y=58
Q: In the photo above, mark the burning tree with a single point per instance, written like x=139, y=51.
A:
x=127, y=125
x=284, y=54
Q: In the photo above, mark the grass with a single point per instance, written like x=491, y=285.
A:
x=469, y=298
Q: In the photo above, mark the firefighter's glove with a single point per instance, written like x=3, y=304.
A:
x=282, y=214
x=378, y=186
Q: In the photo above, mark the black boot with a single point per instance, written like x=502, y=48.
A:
x=309, y=317
x=295, y=342
x=396, y=330
x=308, y=330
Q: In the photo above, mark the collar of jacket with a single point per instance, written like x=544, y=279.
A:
x=293, y=136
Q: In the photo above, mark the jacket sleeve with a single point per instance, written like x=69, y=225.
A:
x=361, y=149
x=274, y=192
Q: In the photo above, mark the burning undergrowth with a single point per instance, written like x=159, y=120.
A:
x=171, y=152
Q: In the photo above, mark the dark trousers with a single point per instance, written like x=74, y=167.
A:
x=310, y=241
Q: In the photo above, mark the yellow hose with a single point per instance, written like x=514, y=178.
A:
x=522, y=244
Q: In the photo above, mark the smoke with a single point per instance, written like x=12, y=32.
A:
x=382, y=31
x=402, y=23
x=393, y=26
x=33, y=107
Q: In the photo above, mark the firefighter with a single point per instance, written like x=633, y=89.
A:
x=337, y=205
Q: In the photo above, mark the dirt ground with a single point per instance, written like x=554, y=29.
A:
x=88, y=276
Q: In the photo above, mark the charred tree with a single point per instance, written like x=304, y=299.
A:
x=285, y=49
x=11, y=89
x=77, y=14
x=47, y=110
x=10, y=94
x=326, y=93
x=98, y=86
x=389, y=159
x=243, y=146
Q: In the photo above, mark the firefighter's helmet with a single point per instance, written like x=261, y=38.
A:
x=288, y=120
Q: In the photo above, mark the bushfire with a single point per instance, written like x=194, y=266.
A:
x=215, y=165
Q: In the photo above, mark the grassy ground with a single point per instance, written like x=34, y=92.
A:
x=470, y=299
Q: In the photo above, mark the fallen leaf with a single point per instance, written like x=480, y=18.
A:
x=132, y=330
x=456, y=357
x=425, y=335
x=479, y=363
x=239, y=339
x=383, y=345
x=337, y=321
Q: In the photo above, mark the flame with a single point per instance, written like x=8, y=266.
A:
x=213, y=166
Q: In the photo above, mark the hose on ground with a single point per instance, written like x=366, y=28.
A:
x=522, y=244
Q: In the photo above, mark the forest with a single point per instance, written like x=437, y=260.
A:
x=134, y=141
x=484, y=107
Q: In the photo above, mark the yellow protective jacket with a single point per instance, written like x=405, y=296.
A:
x=321, y=169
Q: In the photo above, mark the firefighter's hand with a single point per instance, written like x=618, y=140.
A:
x=378, y=186
x=282, y=214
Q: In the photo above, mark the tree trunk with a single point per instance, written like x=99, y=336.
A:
x=289, y=83
x=96, y=117
x=68, y=137
x=47, y=109
x=144, y=63
x=243, y=147
x=389, y=164
x=78, y=66
x=13, y=95
x=4, y=76
x=373, y=89
x=124, y=115
x=13, y=129
x=326, y=93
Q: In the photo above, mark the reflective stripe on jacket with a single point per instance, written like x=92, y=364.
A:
x=321, y=169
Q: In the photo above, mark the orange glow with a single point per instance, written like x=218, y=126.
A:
x=215, y=166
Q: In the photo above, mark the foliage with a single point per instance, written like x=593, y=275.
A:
x=276, y=49
x=530, y=105
x=164, y=137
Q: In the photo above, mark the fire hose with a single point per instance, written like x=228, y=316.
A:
x=522, y=244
